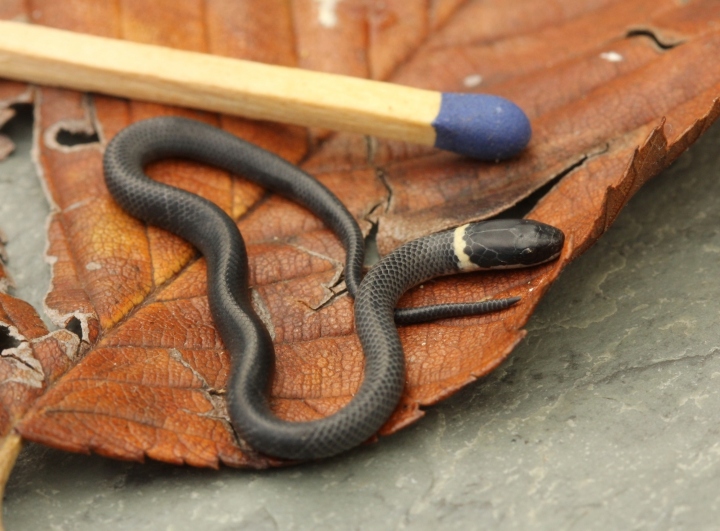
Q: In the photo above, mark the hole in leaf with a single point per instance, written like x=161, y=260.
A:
x=650, y=35
x=521, y=209
x=372, y=256
x=75, y=326
x=23, y=112
x=20, y=125
x=6, y=340
x=69, y=138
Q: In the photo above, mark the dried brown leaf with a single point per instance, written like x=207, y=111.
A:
x=616, y=90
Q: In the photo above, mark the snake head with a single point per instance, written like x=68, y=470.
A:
x=506, y=243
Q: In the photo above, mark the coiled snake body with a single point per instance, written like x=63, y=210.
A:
x=501, y=243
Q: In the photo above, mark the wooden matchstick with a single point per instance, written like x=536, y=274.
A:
x=477, y=125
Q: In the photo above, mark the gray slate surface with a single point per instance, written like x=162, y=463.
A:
x=604, y=417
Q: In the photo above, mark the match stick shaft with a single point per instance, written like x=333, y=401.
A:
x=55, y=57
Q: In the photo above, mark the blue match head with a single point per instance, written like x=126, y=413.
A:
x=481, y=126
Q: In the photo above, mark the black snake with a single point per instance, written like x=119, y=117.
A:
x=491, y=244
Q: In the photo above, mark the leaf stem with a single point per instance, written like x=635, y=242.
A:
x=9, y=449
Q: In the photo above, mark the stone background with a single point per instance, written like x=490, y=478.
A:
x=604, y=417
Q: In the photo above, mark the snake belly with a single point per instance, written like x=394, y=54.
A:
x=251, y=350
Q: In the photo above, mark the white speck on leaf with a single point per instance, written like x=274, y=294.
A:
x=473, y=80
x=327, y=15
x=613, y=57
